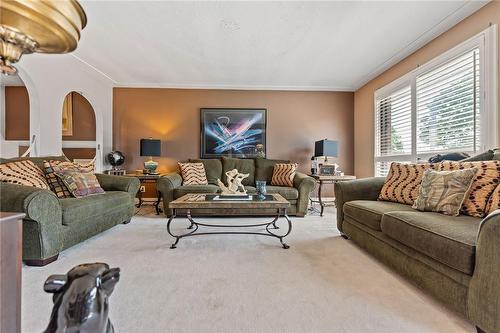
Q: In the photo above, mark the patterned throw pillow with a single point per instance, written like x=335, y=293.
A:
x=444, y=191
x=493, y=201
x=402, y=183
x=23, y=173
x=55, y=183
x=283, y=174
x=80, y=184
x=193, y=174
x=486, y=180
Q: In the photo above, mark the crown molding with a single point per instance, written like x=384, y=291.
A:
x=444, y=25
x=234, y=87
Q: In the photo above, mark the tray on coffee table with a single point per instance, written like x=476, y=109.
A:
x=206, y=201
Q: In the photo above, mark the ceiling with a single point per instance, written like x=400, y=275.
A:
x=258, y=45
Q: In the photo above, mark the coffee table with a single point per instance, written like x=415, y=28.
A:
x=206, y=201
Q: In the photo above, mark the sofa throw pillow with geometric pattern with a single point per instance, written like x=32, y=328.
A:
x=444, y=191
x=485, y=181
x=493, y=201
x=283, y=174
x=23, y=173
x=402, y=183
x=80, y=184
x=193, y=174
x=55, y=183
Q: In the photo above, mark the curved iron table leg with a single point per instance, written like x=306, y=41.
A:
x=190, y=218
x=170, y=219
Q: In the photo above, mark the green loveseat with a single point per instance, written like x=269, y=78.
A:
x=52, y=225
x=170, y=186
x=456, y=259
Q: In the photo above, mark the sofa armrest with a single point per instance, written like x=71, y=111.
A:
x=305, y=185
x=483, y=301
x=360, y=189
x=166, y=185
x=119, y=183
x=43, y=222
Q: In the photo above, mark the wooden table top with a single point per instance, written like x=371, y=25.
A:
x=198, y=201
x=333, y=178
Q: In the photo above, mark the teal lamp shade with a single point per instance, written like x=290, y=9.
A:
x=150, y=147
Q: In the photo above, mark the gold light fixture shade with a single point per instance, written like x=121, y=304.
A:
x=46, y=26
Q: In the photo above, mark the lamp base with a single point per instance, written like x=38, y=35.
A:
x=150, y=167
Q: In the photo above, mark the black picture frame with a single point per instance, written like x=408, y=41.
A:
x=232, y=132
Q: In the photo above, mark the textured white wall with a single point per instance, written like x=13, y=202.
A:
x=49, y=78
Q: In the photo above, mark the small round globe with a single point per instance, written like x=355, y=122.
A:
x=116, y=158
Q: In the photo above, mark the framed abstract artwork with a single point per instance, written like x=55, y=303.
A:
x=233, y=132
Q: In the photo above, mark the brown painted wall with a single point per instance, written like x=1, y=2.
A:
x=363, y=98
x=83, y=120
x=294, y=121
x=17, y=113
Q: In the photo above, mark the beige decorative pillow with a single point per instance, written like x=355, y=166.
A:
x=493, y=201
x=23, y=173
x=283, y=174
x=483, y=185
x=444, y=191
x=55, y=183
x=402, y=183
x=193, y=174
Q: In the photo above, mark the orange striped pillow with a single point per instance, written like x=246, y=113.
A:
x=193, y=174
x=283, y=174
x=402, y=184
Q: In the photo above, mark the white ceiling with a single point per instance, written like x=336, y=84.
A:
x=258, y=45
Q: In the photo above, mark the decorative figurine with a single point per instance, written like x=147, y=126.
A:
x=81, y=299
x=234, y=179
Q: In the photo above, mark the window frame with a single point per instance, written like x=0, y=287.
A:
x=485, y=41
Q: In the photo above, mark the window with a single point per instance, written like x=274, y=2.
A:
x=446, y=105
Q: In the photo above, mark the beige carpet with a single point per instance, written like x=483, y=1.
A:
x=323, y=283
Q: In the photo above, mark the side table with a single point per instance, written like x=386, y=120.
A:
x=145, y=178
x=327, y=179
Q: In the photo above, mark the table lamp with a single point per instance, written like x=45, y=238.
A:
x=150, y=147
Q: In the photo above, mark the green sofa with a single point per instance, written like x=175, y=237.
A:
x=53, y=225
x=456, y=259
x=170, y=186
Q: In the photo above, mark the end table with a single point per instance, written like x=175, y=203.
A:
x=327, y=179
x=146, y=178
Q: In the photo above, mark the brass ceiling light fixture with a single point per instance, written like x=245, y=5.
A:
x=45, y=26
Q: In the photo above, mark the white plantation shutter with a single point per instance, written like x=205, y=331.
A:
x=448, y=110
x=446, y=105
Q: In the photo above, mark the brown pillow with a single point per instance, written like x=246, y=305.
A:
x=493, y=201
x=23, y=173
x=193, y=174
x=283, y=174
x=55, y=183
x=483, y=185
x=402, y=183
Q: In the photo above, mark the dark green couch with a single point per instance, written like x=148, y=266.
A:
x=456, y=259
x=171, y=188
x=52, y=225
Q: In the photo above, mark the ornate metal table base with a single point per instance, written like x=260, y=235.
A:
x=193, y=227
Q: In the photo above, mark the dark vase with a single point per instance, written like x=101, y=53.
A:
x=261, y=189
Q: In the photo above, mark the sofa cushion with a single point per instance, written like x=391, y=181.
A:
x=38, y=161
x=213, y=168
x=264, y=168
x=283, y=174
x=185, y=189
x=242, y=165
x=193, y=173
x=450, y=240
x=74, y=210
x=369, y=212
